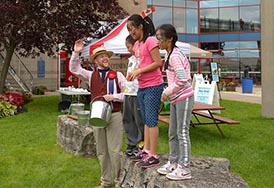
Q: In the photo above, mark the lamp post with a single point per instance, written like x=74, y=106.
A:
x=238, y=57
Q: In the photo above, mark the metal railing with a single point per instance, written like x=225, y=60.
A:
x=24, y=82
x=28, y=81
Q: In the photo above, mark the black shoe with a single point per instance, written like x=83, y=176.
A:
x=129, y=150
x=139, y=156
x=149, y=162
x=135, y=150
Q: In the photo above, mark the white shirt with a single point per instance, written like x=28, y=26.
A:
x=131, y=86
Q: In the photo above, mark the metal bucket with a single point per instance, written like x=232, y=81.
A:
x=76, y=107
x=100, y=113
x=83, y=117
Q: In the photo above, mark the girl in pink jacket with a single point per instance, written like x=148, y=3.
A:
x=181, y=96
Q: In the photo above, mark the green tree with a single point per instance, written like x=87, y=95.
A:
x=31, y=27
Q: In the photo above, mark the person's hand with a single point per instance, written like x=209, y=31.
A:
x=78, y=46
x=164, y=97
x=133, y=74
x=108, y=98
x=129, y=77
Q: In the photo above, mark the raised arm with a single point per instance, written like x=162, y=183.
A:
x=78, y=46
x=75, y=62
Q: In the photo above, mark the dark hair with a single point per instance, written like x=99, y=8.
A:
x=130, y=39
x=168, y=31
x=148, y=26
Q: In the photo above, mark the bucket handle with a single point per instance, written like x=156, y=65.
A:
x=100, y=96
x=69, y=110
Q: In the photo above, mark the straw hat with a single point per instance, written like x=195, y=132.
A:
x=98, y=51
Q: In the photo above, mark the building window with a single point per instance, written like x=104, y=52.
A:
x=162, y=15
x=181, y=3
x=227, y=3
x=229, y=19
x=209, y=3
x=162, y=2
x=249, y=2
x=179, y=20
x=251, y=21
x=209, y=21
x=191, y=4
x=192, y=21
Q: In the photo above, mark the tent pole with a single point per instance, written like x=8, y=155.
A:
x=199, y=66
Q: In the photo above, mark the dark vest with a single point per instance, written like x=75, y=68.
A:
x=97, y=88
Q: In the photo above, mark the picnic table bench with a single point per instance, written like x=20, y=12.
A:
x=204, y=110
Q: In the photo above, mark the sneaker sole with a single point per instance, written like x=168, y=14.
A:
x=162, y=173
x=136, y=160
x=152, y=165
x=179, y=178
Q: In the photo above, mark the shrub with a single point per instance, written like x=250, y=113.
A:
x=231, y=84
x=39, y=90
x=14, y=98
x=223, y=82
x=7, y=109
x=27, y=97
x=12, y=102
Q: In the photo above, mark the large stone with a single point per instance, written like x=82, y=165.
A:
x=74, y=138
x=207, y=172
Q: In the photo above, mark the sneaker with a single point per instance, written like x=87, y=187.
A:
x=135, y=150
x=129, y=150
x=167, y=168
x=149, y=162
x=139, y=156
x=180, y=173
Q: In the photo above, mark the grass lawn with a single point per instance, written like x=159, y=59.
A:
x=30, y=157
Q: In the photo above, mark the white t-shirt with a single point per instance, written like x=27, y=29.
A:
x=131, y=86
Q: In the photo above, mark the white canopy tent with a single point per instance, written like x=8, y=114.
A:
x=115, y=41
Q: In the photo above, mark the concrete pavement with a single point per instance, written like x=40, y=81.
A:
x=254, y=97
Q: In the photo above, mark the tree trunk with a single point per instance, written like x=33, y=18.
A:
x=5, y=68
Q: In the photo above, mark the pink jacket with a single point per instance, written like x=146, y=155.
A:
x=178, y=77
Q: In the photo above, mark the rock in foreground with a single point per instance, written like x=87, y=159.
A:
x=207, y=172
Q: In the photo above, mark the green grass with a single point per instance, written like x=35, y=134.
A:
x=30, y=157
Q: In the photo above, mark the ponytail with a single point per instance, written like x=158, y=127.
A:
x=148, y=26
x=149, y=29
x=168, y=57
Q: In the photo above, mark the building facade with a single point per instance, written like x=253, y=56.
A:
x=230, y=29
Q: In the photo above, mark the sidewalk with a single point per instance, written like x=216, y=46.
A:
x=254, y=97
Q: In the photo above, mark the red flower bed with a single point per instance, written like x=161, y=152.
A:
x=14, y=98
